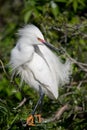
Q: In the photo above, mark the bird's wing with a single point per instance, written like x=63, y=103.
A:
x=60, y=69
x=43, y=75
x=20, y=55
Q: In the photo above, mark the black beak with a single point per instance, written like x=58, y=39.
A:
x=52, y=47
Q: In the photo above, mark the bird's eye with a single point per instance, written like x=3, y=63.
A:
x=41, y=40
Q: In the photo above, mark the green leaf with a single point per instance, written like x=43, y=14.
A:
x=75, y=5
x=54, y=9
x=82, y=2
x=27, y=16
x=61, y=1
x=69, y=2
x=18, y=96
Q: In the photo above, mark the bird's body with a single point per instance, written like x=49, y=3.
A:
x=37, y=64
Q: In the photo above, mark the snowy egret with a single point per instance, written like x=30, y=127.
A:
x=37, y=65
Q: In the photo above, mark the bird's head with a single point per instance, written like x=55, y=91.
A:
x=32, y=33
x=33, y=36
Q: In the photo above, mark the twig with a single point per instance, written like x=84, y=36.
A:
x=21, y=103
x=3, y=67
x=57, y=115
x=10, y=126
x=70, y=31
x=79, y=64
x=60, y=112
x=81, y=82
x=67, y=94
x=77, y=108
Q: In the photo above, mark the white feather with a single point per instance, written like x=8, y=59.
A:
x=45, y=70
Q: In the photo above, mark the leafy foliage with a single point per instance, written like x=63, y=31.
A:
x=63, y=23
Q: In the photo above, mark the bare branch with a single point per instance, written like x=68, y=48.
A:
x=69, y=31
x=82, y=81
x=57, y=115
x=21, y=103
x=82, y=66
x=3, y=67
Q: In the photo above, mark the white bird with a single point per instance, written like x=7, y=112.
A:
x=37, y=65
